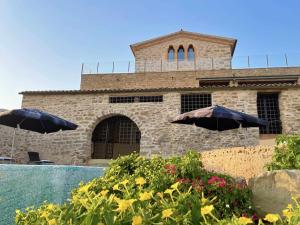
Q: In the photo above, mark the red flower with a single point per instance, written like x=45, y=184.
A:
x=241, y=184
x=254, y=217
x=183, y=180
x=171, y=168
x=217, y=181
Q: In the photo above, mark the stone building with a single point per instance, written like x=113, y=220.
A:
x=118, y=113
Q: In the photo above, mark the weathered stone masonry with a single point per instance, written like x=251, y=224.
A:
x=90, y=105
x=158, y=135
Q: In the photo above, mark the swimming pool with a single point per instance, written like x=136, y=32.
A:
x=27, y=185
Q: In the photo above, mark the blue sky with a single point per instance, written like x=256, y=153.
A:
x=43, y=43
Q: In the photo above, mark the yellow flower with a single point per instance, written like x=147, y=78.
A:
x=84, y=188
x=52, y=222
x=50, y=207
x=289, y=206
x=272, y=218
x=244, y=220
x=116, y=187
x=175, y=186
x=115, y=198
x=207, y=209
x=45, y=214
x=167, y=213
x=161, y=195
x=287, y=213
x=123, y=204
x=137, y=220
x=140, y=181
x=203, y=199
x=104, y=192
x=124, y=182
x=169, y=191
x=18, y=211
x=146, y=196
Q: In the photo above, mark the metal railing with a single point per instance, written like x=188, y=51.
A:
x=208, y=63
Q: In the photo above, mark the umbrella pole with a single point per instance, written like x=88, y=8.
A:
x=13, y=145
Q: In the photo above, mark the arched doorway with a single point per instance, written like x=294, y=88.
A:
x=115, y=136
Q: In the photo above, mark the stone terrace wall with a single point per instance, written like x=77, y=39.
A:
x=171, y=79
x=159, y=136
x=244, y=162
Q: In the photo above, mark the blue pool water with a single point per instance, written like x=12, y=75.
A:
x=27, y=185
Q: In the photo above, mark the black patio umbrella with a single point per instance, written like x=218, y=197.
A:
x=219, y=118
x=34, y=120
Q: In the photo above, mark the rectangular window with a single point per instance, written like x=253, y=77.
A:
x=268, y=109
x=190, y=102
x=132, y=99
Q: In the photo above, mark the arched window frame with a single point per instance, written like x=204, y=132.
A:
x=189, y=56
x=180, y=55
x=170, y=57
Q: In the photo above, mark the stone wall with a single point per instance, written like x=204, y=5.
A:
x=208, y=55
x=159, y=136
x=176, y=79
x=244, y=162
x=289, y=104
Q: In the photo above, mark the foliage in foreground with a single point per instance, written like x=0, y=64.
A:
x=135, y=190
x=287, y=153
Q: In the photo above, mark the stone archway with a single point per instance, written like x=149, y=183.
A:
x=115, y=136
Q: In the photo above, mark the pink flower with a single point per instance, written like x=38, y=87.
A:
x=217, y=181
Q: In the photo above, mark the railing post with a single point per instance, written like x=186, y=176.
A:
x=286, y=60
x=128, y=66
x=248, y=61
x=97, y=67
x=267, y=58
x=82, y=65
x=161, y=62
x=177, y=64
x=212, y=63
x=145, y=65
x=113, y=68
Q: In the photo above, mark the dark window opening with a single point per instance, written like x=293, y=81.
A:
x=132, y=99
x=190, y=102
x=180, y=55
x=191, y=53
x=171, y=54
x=268, y=109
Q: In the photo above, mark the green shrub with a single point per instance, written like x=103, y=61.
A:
x=169, y=191
x=287, y=153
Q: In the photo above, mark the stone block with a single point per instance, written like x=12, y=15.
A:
x=273, y=190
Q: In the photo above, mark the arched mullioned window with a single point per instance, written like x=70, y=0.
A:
x=180, y=53
x=191, y=53
x=171, y=54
